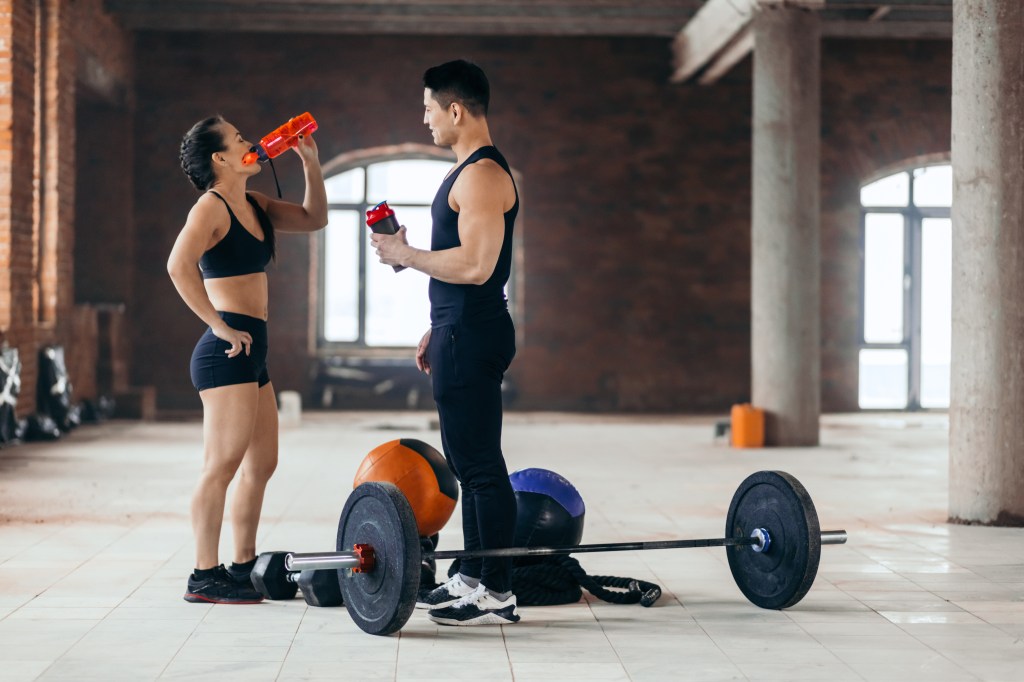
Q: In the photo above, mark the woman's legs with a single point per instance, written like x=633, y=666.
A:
x=229, y=417
x=258, y=465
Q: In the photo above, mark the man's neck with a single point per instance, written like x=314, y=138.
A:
x=470, y=142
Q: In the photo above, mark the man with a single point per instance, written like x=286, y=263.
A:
x=471, y=340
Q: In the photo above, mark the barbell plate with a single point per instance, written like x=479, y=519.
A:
x=380, y=601
x=777, y=502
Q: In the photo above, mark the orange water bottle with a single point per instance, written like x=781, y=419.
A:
x=282, y=139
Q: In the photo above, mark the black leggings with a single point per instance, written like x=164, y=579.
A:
x=467, y=363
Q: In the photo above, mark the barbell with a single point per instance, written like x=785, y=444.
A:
x=271, y=579
x=773, y=544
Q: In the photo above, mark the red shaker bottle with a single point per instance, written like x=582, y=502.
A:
x=381, y=220
x=282, y=139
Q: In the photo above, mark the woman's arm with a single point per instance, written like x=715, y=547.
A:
x=203, y=228
x=312, y=214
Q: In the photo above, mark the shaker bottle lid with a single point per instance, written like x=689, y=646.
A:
x=378, y=213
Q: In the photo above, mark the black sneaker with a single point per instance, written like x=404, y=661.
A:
x=244, y=576
x=220, y=588
x=477, y=608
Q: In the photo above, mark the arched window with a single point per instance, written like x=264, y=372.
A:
x=906, y=259
x=363, y=302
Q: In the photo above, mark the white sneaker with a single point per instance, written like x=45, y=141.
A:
x=477, y=608
x=446, y=594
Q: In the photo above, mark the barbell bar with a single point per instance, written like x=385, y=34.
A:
x=759, y=541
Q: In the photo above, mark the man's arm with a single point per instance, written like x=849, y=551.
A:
x=480, y=195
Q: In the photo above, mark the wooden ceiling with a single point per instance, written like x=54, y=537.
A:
x=451, y=17
x=847, y=18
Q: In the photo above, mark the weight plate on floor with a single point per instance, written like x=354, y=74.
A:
x=779, y=577
x=381, y=600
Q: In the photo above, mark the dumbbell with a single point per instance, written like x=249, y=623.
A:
x=274, y=581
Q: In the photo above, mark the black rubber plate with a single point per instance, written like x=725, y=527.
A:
x=780, y=577
x=382, y=600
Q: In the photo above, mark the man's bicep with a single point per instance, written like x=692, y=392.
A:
x=481, y=226
x=480, y=202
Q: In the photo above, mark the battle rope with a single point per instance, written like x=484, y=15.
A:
x=558, y=579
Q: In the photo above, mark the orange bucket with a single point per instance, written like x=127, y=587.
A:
x=747, y=426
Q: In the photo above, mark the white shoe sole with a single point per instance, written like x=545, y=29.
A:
x=442, y=605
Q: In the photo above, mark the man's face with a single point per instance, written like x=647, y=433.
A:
x=439, y=119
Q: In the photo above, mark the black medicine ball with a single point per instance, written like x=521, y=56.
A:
x=549, y=511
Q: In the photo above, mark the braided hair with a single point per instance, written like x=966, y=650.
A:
x=200, y=143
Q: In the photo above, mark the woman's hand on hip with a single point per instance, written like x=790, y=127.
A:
x=239, y=340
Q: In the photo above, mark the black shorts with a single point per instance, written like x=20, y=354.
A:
x=211, y=367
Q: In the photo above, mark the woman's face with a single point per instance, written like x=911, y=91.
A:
x=235, y=147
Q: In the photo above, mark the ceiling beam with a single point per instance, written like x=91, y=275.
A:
x=880, y=13
x=717, y=28
x=895, y=4
x=729, y=57
x=893, y=30
x=450, y=17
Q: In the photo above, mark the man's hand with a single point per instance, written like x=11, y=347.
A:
x=392, y=249
x=421, y=354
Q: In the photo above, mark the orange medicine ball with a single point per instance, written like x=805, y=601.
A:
x=421, y=473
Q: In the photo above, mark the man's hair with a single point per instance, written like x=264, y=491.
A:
x=459, y=81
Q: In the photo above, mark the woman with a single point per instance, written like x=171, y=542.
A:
x=217, y=265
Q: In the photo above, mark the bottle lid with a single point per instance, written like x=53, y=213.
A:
x=378, y=213
x=256, y=153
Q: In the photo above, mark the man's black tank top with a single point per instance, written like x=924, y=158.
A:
x=239, y=252
x=451, y=303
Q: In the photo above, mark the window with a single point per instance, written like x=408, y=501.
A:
x=363, y=302
x=906, y=259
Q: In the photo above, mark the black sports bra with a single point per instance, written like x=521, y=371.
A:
x=239, y=252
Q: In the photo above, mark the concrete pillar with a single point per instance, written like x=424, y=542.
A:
x=786, y=251
x=986, y=413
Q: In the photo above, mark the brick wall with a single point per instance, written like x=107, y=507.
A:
x=17, y=204
x=38, y=96
x=636, y=212
x=636, y=196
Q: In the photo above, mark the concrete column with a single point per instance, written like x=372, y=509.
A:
x=786, y=250
x=986, y=413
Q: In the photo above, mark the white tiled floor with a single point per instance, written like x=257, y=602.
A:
x=95, y=546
